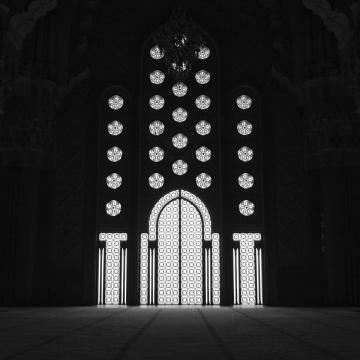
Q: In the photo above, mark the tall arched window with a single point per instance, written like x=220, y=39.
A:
x=179, y=168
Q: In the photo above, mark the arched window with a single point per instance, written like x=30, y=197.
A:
x=179, y=168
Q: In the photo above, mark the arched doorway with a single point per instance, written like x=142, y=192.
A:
x=180, y=260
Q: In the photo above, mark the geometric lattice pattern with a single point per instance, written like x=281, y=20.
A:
x=168, y=254
x=144, y=250
x=112, y=267
x=246, y=261
x=215, y=269
x=191, y=254
x=180, y=225
x=203, y=210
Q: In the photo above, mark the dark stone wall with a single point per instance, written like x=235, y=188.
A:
x=311, y=227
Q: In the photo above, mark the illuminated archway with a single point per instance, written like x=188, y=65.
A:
x=180, y=262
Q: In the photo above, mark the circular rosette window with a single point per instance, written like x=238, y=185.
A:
x=114, y=154
x=156, y=181
x=203, y=181
x=246, y=208
x=246, y=181
x=245, y=154
x=156, y=154
x=244, y=102
x=115, y=102
x=114, y=181
x=113, y=208
x=180, y=167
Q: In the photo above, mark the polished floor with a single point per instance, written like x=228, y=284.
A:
x=179, y=333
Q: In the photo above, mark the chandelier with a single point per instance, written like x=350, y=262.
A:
x=180, y=41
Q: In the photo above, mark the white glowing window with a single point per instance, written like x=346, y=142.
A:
x=244, y=127
x=245, y=154
x=156, y=154
x=179, y=114
x=203, y=181
x=191, y=255
x=112, y=272
x=156, y=127
x=216, y=268
x=156, y=102
x=156, y=53
x=156, y=181
x=202, y=102
x=202, y=77
x=244, y=102
x=204, y=52
x=203, y=154
x=187, y=273
x=114, y=154
x=179, y=141
x=157, y=77
x=115, y=102
x=246, y=208
x=247, y=269
x=144, y=269
x=115, y=128
x=168, y=255
x=179, y=167
x=113, y=181
x=179, y=89
x=203, y=128
x=113, y=208
x=246, y=181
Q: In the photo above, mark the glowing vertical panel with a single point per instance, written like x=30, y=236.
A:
x=215, y=269
x=191, y=255
x=234, y=278
x=168, y=256
x=250, y=280
x=144, y=249
x=99, y=276
x=112, y=277
x=260, y=276
x=247, y=269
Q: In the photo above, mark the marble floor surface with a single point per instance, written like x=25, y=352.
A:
x=117, y=332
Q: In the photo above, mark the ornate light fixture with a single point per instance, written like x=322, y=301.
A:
x=180, y=41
